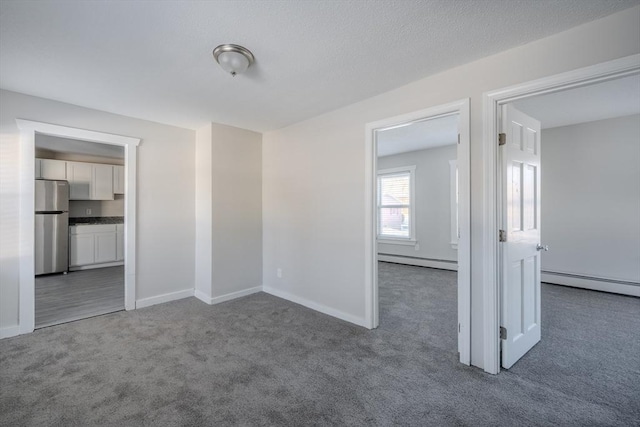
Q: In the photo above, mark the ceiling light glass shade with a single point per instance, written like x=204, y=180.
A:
x=232, y=58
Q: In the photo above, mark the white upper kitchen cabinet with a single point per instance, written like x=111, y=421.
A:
x=102, y=182
x=118, y=179
x=90, y=181
x=53, y=169
x=79, y=176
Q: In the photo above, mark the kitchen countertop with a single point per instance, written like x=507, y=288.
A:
x=97, y=220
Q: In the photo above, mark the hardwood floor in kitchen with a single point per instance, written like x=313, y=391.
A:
x=62, y=298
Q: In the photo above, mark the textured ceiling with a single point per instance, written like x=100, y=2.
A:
x=418, y=136
x=152, y=60
x=615, y=98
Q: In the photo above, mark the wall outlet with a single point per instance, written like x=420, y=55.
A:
x=417, y=247
x=88, y=211
x=279, y=273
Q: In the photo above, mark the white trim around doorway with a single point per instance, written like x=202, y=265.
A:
x=461, y=108
x=28, y=131
x=491, y=103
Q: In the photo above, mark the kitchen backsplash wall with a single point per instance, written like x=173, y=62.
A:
x=78, y=208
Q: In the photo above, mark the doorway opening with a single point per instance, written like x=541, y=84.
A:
x=418, y=247
x=79, y=233
x=588, y=242
x=29, y=131
x=516, y=262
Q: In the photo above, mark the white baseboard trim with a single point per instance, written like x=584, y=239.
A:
x=92, y=266
x=172, y=296
x=360, y=321
x=590, y=283
x=9, y=331
x=227, y=297
x=420, y=262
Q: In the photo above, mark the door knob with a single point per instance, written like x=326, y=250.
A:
x=540, y=247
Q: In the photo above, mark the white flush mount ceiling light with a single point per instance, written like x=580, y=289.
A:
x=232, y=58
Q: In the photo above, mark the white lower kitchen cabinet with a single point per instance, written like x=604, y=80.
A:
x=105, y=247
x=93, y=246
x=81, y=249
x=120, y=242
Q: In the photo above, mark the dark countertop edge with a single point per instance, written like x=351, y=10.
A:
x=96, y=220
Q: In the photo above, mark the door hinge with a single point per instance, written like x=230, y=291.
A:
x=502, y=138
x=502, y=235
x=458, y=138
x=503, y=333
x=458, y=327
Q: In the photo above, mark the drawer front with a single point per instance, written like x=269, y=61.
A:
x=87, y=229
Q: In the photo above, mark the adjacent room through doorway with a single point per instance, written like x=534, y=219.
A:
x=79, y=240
x=417, y=228
x=573, y=196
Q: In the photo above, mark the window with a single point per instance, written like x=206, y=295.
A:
x=395, y=204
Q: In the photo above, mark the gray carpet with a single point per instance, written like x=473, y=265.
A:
x=261, y=360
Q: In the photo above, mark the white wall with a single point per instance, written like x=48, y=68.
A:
x=204, y=237
x=591, y=199
x=228, y=213
x=166, y=155
x=314, y=171
x=432, y=204
x=237, y=209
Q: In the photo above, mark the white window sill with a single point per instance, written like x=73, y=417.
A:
x=406, y=242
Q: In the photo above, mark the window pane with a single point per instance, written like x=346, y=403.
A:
x=394, y=222
x=394, y=190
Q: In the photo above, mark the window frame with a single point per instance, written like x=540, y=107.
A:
x=398, y=240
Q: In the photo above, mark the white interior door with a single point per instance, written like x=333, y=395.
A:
x=520, y=218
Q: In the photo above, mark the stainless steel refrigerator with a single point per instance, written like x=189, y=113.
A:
x=52, y=226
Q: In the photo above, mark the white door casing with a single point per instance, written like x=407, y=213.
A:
x=462, y=108
x=492, y=102
x=520, y=256
x=28, y=130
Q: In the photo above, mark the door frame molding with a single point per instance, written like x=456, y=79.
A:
x=28, y=130
x=491, y=102
x=462, y=108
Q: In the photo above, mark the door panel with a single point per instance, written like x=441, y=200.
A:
x=520, y=284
